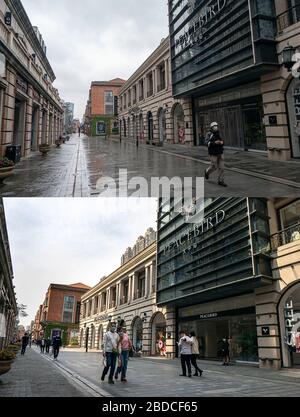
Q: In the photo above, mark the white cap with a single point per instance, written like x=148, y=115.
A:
x=214, y=124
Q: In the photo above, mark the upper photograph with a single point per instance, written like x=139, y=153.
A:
x=188, y=94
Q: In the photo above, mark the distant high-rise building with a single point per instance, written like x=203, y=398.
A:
x=68, y=116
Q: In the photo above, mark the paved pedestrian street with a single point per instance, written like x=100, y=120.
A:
x=33, y=376
x=37, y=375
x=74, y=169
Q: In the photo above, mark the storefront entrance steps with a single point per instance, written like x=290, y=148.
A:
x=255, y=164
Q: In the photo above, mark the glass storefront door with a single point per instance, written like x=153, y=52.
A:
x=240, y=331
x=241, y=124
x=255, y=131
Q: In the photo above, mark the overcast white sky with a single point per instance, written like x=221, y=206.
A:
x=67, y=241
x=95, y=40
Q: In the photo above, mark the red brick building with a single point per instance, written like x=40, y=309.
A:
x=60, y=312
x=102, y=110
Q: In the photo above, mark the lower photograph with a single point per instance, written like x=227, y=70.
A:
x=131, y=299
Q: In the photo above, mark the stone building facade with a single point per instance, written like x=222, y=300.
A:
x=8, y=303
x=31, y=111
x=128, y=294
x=281, y=89
x=148, y=113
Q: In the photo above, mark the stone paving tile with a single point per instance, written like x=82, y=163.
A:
x=160, y=378
x=33, y=376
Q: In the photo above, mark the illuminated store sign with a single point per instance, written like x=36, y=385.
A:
x=208, y=224
x=205, y=16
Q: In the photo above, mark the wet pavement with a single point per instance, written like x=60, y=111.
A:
x=74, y=170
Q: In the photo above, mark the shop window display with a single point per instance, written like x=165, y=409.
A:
x=240, y=332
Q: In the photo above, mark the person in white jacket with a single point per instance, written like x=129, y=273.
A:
x=111, y=351
x=195, y=354
x=185, y=348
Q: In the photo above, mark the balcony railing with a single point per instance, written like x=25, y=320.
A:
x=288, y=18
x=290, y=235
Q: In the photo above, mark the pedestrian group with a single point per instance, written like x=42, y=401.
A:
x=116, y=350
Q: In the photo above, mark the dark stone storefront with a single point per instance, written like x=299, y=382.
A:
x=209, y=272
x=219, y=51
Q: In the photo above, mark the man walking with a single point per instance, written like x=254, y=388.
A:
x=56, y=343
x=25, y=341
x=110, y=352
x=43, y=345
x=48, y=344
x=216, y=152
x=185, y=347
x=126, y=345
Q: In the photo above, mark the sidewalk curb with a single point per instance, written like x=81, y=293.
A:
x=94, y=390
x=230, y=169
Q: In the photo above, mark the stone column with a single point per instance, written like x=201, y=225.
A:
x=108, y=299
x=90, y=337
x=154, y=81
x=118, y=300
x=99, y=302
x=7, y=128
x=97, y=337
x=171, y=331
x=133, y=287
x=129, y=289
x=151, y=277
x=167, y=73
x=147, y=281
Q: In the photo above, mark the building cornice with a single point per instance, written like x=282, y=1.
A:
x=67, y=288
x=126, y=269
x=15, y=63
x=21, y=16
x=159, y=52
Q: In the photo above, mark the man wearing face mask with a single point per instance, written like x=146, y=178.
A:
x=111, y=352
x=216, y=152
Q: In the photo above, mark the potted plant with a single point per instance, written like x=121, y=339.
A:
x=6, y=359
x=14, y=348
x=44, y=148
x=6, y=168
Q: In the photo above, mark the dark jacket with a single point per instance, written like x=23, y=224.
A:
x=25, y=340
x=213, y=148
x=56, y=343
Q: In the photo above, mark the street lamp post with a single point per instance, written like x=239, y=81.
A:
x=288, y=57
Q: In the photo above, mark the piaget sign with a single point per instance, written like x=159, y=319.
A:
x=189, y=237
x=205, y=15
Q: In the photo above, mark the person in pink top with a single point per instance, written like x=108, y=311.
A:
x=125, y=345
